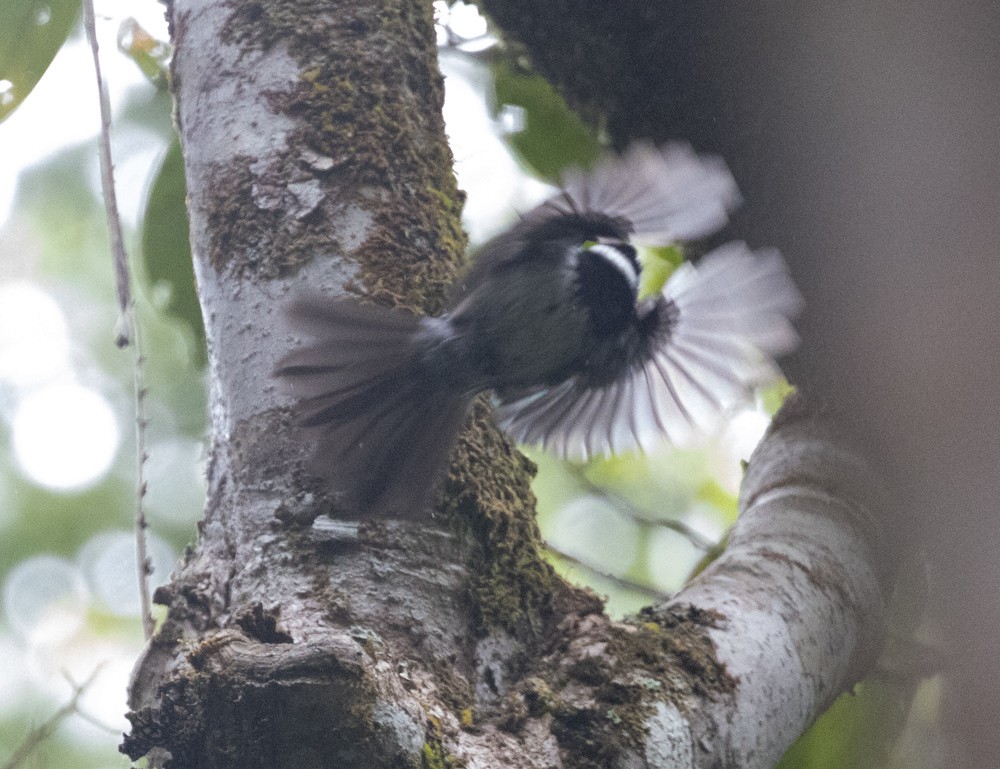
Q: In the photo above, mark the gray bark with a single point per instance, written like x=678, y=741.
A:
x=315, y=156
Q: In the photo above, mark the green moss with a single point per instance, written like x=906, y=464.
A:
x=488, y=493
x=454, y=691
x=538, y=697
x=664, y=639
x=589, y=670
x=589, y=739
x=433, y=753
x=434, y=756
x=599, y=703
x=594, y=731
x=661, y=656
x=368, y=130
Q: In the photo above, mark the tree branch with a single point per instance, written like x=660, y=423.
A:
x=801, y=592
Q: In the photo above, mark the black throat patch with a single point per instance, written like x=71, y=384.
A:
x=607, y=277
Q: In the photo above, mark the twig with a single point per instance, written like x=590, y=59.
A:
x=622, y=582
x=98, y=723
x=128, y=329
x=43, y=731
x=633, y=513
x=123, y=281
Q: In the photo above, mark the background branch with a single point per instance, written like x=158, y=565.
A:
x=641, y=517
x=47, y=728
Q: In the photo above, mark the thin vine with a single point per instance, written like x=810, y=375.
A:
x=127, y=332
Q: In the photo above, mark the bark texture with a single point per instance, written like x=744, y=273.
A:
x=316, y=156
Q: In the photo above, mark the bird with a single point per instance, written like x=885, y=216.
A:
x=548, y=318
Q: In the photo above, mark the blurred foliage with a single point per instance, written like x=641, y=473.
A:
x=860, y=730
x=166, y=248
x=70, y=519
x=56, y=239
x=150, y=55
x=657, y=265
x=553, y=137
x=615, y=518
x=31, y=33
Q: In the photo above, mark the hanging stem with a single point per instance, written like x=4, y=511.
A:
x=127, y=333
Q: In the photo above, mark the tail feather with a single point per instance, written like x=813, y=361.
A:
x=384, y=421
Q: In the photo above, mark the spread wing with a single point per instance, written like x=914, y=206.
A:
x=697, y=351
x=663, y=195
x=648, y=195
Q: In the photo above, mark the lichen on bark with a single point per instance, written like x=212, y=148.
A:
x=601, y=681
x=368, y=132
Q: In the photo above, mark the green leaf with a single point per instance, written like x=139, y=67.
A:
x=554, y=137
x=166, y=249
x=658, y=263
x=774, y=395
x=31, y=32
x=857, y=732
x=152, y=56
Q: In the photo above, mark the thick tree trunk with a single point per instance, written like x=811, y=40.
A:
x=316, y=156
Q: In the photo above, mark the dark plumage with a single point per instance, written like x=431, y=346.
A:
x=548, y=318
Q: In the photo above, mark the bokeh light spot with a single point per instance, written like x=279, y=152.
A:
x=735, y=444
x=465, y=20
x=34, y=340
x=489, y=174
x=671, y=559
x=65, y=436
x=109, y=566
x=176, y=485
x=745, y=431
x=45, y=599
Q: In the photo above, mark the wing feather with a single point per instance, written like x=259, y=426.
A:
x=667, y=194
x=664, y=195
x=712, y=339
